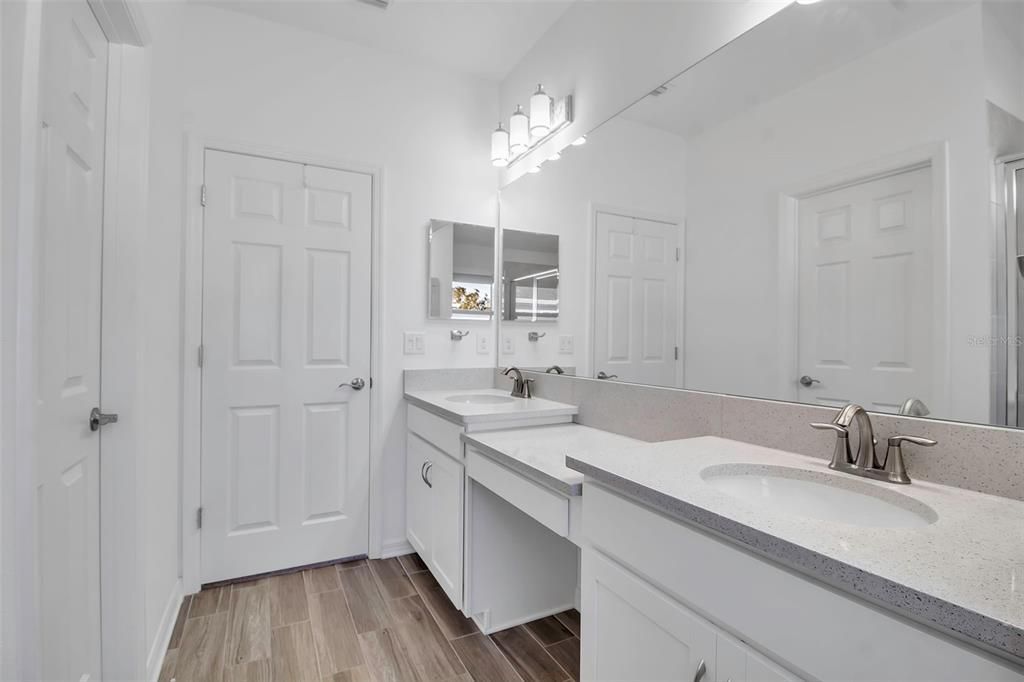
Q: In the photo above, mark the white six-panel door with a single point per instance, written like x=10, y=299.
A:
x=73, y=74
x=286, y=330
x=865, y=293
x=635, y=299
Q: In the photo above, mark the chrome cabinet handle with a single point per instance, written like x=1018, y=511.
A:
x=701, y=671
x=426, y=474
x=807, y=381
x=98, y=419
x=356, y=384
x=423, y=475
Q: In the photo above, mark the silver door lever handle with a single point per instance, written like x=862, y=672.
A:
x=357, y=384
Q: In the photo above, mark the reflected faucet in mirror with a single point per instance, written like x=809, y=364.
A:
x=554, y=369
x=602, y=375
x=912, y=407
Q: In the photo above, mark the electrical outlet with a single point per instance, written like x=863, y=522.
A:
x=415, y=343
x=508, y=345
x=483, y=344
x=565, y=343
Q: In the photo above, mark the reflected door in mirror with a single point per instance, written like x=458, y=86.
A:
x=865, y=293
x=635, y=299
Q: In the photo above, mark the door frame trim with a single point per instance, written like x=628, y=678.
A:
x=590, y=275
x=196, y=146
x=934, y=156
x=126, y=149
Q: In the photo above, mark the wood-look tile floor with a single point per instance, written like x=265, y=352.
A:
x=380, y=620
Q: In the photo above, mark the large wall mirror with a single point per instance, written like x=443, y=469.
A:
x=821, y=211
x=460, y=279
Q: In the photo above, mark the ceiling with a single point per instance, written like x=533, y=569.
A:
x=485, y=38
x=797, y=45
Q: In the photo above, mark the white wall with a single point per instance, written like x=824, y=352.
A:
x=612, y=53
x=161, y=320
x=255, y=81
x=919, y=91
x=625, y=165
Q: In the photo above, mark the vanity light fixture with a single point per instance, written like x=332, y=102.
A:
x=540, y=113
x=547, y=117
x=579, y=141
x=535, y=169
x=499, y=147
x=555, y=157
x=519, y=131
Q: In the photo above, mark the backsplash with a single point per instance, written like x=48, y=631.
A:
x=428, y=379
x=983, y=458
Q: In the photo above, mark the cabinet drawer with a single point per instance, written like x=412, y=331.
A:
x=544, y=505
x=439, y=432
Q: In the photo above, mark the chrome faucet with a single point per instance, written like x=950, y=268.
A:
x=554, y=369
x=891, y=469
x=520, y=386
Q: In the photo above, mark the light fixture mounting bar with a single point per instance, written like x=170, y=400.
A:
x=561, y=116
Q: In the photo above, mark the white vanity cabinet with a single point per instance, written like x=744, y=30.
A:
x=636, y=632
x=435, y=489
x=660, y=595
x=435, y=496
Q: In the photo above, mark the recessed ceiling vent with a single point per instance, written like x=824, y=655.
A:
x=382, y=4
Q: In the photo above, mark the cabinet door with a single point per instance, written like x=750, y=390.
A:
x=634, y=632
x=760, y=669
x=446, y=477
x=417, y=494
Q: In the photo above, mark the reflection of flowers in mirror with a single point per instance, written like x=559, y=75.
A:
x=464, y=299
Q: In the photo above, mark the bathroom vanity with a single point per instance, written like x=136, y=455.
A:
x=758, y=564
x=436, y=485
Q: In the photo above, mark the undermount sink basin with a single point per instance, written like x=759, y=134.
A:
x=828, y=497
x=479, y=399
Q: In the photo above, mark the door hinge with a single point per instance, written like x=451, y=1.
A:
x=677, y=352
x=200, y=353
x=677, y=253
x=371, y=382
x=202, y=195
x=199, y=518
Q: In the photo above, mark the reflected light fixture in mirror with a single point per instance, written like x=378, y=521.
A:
x=540, y=113
x=519, y=131
x=499, y=147
x=579, y=141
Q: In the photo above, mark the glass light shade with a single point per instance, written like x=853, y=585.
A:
x=499, y=147
x=579, y=141
x=540, y=113
x=519, y=131
x=555, y=157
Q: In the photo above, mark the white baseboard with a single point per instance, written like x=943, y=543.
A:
x=158, y=647
x=483, y=619
x=393, y=548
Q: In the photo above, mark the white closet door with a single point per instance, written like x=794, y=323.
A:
x=635, y=295
x=286, y=330
x=69, y=247
x=865, y=293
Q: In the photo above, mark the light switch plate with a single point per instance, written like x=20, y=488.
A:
x=565, y=343
x=483, y=344
x=508, y=345
x=415, y=343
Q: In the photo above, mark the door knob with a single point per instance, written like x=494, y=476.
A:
x=356, y=384
x=808, y=381
x=98, y=419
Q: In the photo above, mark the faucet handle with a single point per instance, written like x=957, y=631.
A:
x=895, y=469
x=822, y=426
x=841, y=456
x=527, y=389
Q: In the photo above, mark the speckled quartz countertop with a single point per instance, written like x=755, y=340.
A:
x=539, y=452
x=449, y=403
x=961, y=570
